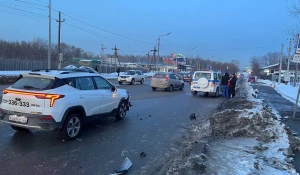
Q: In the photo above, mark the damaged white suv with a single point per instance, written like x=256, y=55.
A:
x=53, y=99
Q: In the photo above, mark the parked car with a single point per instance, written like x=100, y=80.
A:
x=132, y=76
x=186, y=76
x=63, y=100
x=251, y=79
x=207, y=82
x=167, y=81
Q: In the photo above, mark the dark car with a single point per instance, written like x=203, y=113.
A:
x=186, y=76
x=251, y=79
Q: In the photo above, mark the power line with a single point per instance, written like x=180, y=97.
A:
x=106, y=30
x=240, y=49
x=21, y=14
x=99, y=35
x=21, y=10
x=25, y=2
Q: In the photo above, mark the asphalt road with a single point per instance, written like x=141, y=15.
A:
x=154, y=125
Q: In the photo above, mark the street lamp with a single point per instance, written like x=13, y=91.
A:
x=166, y=34
x=187, y=56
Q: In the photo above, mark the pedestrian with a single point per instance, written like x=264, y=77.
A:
x=224, y=85
x=232, y=81
x=118, y=71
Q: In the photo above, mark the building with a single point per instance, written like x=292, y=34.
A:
x=271, y=72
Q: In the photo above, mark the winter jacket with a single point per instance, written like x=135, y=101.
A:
x=225, y=79
x=233, y=81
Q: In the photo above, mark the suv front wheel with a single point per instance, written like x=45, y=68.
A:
x=122, y=110
x=72, y=127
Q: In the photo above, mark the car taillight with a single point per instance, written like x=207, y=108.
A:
x=212, y=84
x=52, y=97
x=167, y=77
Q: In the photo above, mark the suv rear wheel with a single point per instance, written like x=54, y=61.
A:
x=181, y=87
x=19, y=129
x=72, y=127
x=122, y=110
x=170, y=88
x=132, y=81
x=142, y=81
x=153, y=88
x=120, y=82
x=217, y=93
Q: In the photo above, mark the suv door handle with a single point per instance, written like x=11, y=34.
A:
x=81, y=97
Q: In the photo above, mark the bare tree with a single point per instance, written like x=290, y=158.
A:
x=255, y=64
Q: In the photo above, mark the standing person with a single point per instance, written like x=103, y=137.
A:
x=232, y=85
x=118, y=71
x=224, y=84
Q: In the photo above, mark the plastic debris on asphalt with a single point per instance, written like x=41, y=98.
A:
x=124, y=167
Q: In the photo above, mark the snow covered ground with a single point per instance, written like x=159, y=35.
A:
x=287, y=91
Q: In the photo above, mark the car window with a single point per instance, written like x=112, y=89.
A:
x=34, y=83
x=215, y=76
x=219, y=76
x=172, y=76
x=72, y=82
x=131, y=72
x=158, y=75
x=138, y=72
x=101, y=83
x=199, y=75
x=86, y=83
x=177, y=77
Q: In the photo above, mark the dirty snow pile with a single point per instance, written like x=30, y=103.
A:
x=244, y=137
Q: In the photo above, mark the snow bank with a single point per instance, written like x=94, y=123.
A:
x=245, y=138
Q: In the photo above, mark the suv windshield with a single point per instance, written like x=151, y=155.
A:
x=129, y=73
x=33, y=83
x=199, y=75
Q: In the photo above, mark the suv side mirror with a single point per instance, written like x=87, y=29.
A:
x=113, y=88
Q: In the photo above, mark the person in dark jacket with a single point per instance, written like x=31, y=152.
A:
x=232, y=85
x=224, y=85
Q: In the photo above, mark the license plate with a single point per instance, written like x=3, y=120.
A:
x=16, y=103
x=20, y=119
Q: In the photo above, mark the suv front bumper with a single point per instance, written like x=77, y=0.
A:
x=34, y=121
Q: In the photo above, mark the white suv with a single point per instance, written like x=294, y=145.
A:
x=208, y=82
x=53, y=99
x=132, y=76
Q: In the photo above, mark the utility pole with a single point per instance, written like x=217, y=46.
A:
x=116, y=54
x=148, y=55
x=280, y=64
x=289, y=56
x=158, y=44
x=296, y=71
x=102, y=52
x=58, y=44
x=49, y=46
x=154, y=56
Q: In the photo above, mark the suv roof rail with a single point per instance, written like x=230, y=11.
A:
x=75, y=71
